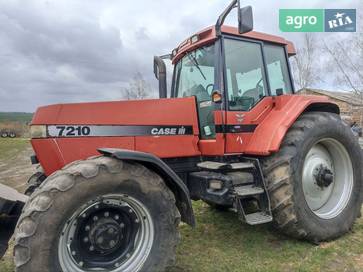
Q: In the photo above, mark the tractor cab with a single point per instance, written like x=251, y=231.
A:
x=234, y=75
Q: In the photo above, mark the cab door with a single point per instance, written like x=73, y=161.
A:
x=254, y=73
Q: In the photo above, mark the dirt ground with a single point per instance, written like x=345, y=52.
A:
x=16, y=170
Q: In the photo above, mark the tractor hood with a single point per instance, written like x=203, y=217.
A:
x=179, y=111
x=69, y=132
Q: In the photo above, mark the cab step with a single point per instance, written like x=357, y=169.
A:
x=212, y=165
x=248, y=190
x=257, y=218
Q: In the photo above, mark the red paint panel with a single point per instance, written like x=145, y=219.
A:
x=168, y=146
x=53, y=154
x=213, y=147
x=271, y=131
x=208, y=35
x=237, y=142
x=48, y=154
x=175, y=111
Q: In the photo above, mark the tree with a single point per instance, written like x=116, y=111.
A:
x=138, y=88
x=345, y=56
x=304, y=64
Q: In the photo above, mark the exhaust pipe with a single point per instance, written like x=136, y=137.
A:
x=160, y=74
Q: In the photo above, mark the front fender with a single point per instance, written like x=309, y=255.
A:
x=172, y=180
x=271, y=131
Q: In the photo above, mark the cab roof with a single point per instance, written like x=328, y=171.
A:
x=208, y=35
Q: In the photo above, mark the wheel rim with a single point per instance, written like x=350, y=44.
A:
x=327, y=178
x=111, y=233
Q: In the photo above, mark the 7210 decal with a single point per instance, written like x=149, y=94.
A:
x=64, y=131
x=61, y=131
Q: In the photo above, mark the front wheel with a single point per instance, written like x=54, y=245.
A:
x=315, y=180
x=99, y=214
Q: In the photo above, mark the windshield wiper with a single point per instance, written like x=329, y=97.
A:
x=194, y=60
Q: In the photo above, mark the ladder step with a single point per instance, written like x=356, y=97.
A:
x=212, y=165
x=222, y=165
x=257, y=218
x=241, y=165
x=247, y=190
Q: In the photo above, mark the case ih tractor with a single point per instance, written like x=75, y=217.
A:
x=119, y=176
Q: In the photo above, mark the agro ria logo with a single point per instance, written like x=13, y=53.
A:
x=340, y=20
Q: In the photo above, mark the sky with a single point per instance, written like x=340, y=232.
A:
x=61, y=51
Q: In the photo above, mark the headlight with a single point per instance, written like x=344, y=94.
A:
x=38, y=131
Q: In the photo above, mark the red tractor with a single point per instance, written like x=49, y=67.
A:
x=119, y=176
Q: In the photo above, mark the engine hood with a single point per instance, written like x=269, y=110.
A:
x=176, y=111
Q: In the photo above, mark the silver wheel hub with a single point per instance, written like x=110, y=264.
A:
x=111, y=233
x=327, y=178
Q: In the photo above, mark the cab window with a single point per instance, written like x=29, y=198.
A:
x=195, y=77
x=246, y=83
x=277, y=69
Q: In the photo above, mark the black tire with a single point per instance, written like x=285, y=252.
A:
x=283, y=173
x=4, y=134
x=39, y=228
x=34, y=182
x=12, y=135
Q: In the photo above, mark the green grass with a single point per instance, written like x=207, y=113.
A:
x=11, y=147
x=22, y=117
x=221, y=242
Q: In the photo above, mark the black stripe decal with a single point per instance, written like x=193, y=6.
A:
x=235, y=128
x=116, y=130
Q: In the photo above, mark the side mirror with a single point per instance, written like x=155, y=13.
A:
x=245, y=19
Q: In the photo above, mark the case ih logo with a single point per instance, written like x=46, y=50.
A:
x=340, y=20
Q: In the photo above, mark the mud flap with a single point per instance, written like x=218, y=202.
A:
x=11, y=204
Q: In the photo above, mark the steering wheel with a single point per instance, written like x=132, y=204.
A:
x=209, y=85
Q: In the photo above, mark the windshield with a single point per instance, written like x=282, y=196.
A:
x=195, y=74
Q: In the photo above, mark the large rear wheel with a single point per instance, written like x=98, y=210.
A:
x=315, y=180
x=100, y=214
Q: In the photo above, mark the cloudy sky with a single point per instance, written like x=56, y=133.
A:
x=54, y=51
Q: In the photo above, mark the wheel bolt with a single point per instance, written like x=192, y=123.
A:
x=91, y=248
x=117, y=264
x=97, y=206
x=85, y=239
x=122, y=225
x=130, y=211
x=136, y=220
x=87, y=228
x=117, y=217
x=128, y=255
x=106, y=214
x=95, y=218
x=73, y=253
x=84, y=215
x=112, y=243
x=80, y=263
x=110, y=230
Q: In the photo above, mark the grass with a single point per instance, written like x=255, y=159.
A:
x=10, y=147
x=22, y=117
x=220, y=242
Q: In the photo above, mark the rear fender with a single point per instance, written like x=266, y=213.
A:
x=286, y=110
x=171, y=179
